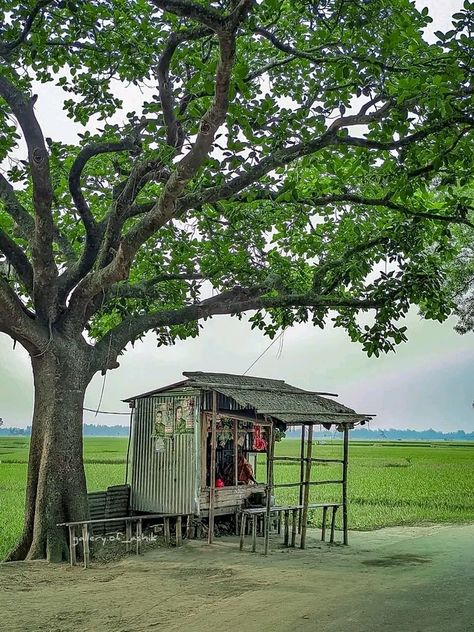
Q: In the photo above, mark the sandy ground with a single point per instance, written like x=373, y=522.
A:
x=416, y=579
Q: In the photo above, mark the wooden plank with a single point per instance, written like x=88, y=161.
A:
x=304, y=518
x=212, y=473
x=344, y=486
x=270, y=452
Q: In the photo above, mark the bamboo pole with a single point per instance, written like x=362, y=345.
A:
x=212, y=473
x=236, y=452
x=270, y=450
x=304, y=520
x=303, y=431
x=344, y=484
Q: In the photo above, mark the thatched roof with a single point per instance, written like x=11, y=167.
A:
x=271, y=398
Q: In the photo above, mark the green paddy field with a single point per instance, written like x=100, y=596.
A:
x=389, y=483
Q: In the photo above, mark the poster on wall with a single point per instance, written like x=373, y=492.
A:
x=184, y=415
x=163, y=424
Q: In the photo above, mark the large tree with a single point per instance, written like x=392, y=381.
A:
x=293, y=159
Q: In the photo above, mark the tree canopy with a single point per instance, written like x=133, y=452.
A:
x=294, y=157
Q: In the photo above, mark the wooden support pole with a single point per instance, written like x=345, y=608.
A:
x=294, y=525
x=212, y=473
x=166, y=530
x=254, y=533
x=189, y=527
x=128, y=535
x=333, y=523
x=304, y=519
x=179, y=531
x=85, y=544
x=243, y=526
x=323, y=528
x=344, y=485
x=270, y=451
x=72, y=545
x=286, y=535
x=300, y=500
x=138, y=534
x=236, y=452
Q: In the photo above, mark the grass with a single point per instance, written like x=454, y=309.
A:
x=389, y=483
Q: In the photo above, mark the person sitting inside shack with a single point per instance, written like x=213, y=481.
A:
x=244, y=472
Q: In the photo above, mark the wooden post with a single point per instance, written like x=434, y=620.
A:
x=300, y=501
x=333, y=523
x=204, y=434
x=189, y=527
x=270, y=451
x=243, y=526
x=236, y=452
x=72, y=545
x=286, y=535
x=179, y=531
x=138, y=534
x=166, y=530
x=254, y=533
x=85, y=544
x=294, y=524
x=304, y=519
x=212, y=473
x=345, y=459
x=128, y=535
x=323, y=528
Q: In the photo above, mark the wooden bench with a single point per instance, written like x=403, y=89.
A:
x=295, y=511
x=84, y=526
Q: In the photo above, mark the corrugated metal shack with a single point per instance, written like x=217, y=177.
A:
x=192, y=440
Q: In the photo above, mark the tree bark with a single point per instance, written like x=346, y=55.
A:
x=56, y=486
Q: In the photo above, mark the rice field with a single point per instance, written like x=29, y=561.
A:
x=389, y=483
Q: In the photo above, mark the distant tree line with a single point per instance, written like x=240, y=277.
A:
x=362, y=434
x=89, y=430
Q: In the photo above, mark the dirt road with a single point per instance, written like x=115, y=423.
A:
x=418, y=579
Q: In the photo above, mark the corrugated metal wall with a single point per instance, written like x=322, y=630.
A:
x=169, y=481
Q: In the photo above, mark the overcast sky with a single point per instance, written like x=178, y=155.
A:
x=426, y=383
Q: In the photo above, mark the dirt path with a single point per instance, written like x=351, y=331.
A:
x=417, y=579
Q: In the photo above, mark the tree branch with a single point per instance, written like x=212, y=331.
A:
x=18, y=260
x=45, y=271
x=7, y=48
x=16, y=322
x=145, y=289
x=174, y=132
x=235, y=301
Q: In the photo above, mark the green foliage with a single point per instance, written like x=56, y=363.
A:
x=348, y=221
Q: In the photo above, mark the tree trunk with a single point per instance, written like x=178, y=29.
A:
x=56, y=486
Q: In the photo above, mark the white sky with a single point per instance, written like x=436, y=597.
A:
x=426, y=383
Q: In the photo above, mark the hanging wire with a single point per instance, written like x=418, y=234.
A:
x=264, y=352
x=104, y=412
